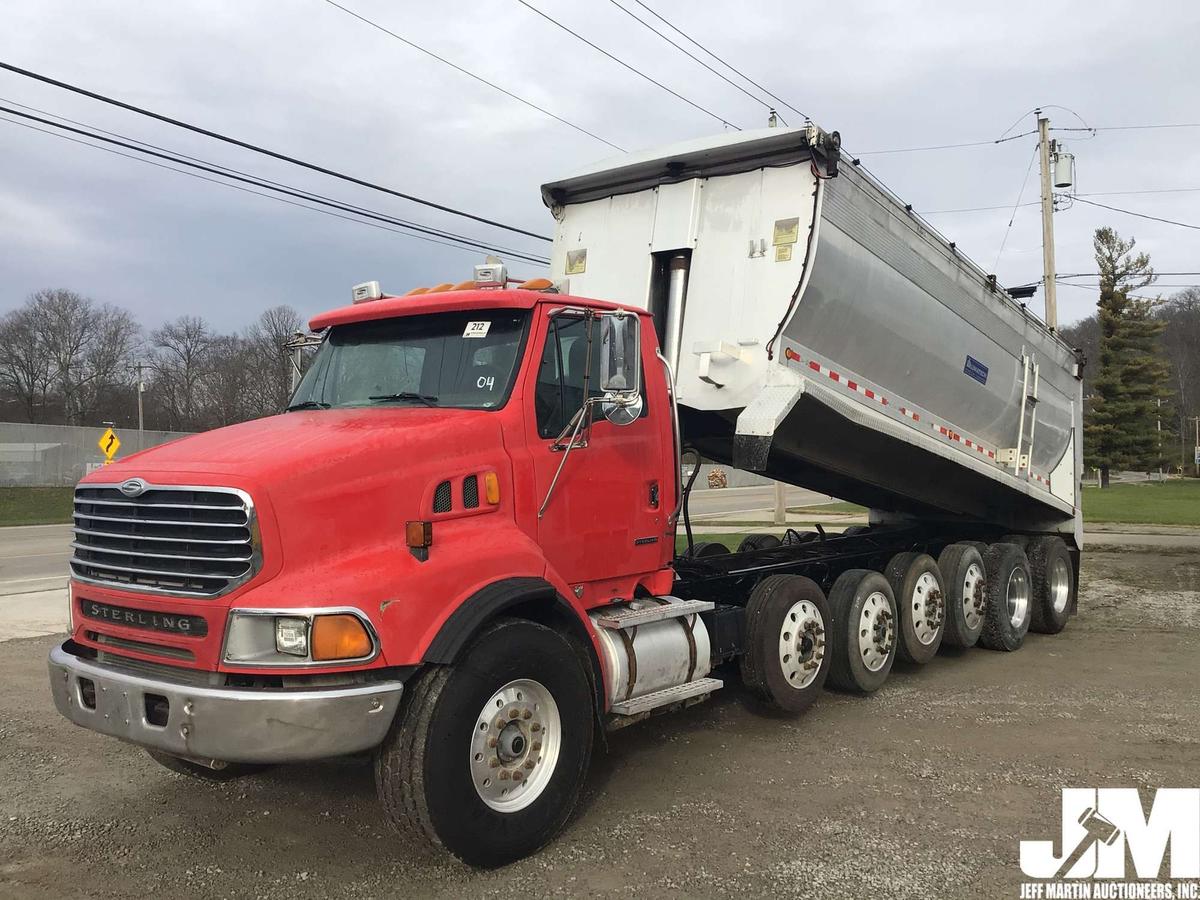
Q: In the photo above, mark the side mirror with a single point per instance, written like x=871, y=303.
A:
x=620, y=358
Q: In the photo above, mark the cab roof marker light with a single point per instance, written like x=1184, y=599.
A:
x=441, y=288
x=538, y=284
x=417, y=290
x=368, y=290
x=465, y=286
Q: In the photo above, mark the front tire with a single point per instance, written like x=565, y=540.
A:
x=486, y=757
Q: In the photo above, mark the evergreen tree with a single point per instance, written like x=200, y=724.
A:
x=1121, y=426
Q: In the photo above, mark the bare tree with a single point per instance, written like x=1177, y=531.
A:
x=24, y=365
x=182, y=350
x=1181, y=346
x=270, y=359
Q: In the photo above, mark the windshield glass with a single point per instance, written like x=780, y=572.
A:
x=465, y=360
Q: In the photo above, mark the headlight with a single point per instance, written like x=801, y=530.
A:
x=267, y=638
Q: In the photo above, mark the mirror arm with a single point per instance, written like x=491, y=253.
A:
x=584, y=412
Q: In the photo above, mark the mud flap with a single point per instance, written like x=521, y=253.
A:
x=757, y=423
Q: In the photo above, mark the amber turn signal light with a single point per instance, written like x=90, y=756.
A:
x=339, y=636
x=418, y=535
x=491, y=488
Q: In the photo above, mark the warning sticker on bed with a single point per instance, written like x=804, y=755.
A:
x=976, y=370
x=477, y=329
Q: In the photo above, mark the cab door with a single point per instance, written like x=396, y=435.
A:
x=606, y=516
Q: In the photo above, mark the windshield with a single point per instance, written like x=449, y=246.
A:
x=464, y=360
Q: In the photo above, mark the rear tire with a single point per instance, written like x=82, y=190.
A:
x=851, y=530
x=1053, y=584
x=863, y=642
x=787, y=656
x=1009, y=598
x=965, y=580
x=791, y=536
x=759, y=541
x=434, y=771
x=920, y=601
x=228, y=771
x=706, y=548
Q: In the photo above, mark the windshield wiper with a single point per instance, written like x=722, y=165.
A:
x=427, y=399
x=308, y=404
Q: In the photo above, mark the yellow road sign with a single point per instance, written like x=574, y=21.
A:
x=109, y=444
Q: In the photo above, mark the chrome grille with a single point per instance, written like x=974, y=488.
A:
x=181, y=541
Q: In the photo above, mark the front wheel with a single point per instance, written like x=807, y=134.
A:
x=486, y=758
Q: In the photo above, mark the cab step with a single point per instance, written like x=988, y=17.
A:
x=677, y=694
x=628, y=617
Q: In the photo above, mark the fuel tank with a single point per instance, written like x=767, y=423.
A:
x=822, y=333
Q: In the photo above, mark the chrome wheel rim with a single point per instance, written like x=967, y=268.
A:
x=801, y=644
x=973, y=596
x=1060, y=584
x=927, y=608
x=876, y=631
x=515, y=745
x=1018, y=597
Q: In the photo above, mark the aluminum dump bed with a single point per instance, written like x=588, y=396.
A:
x=822, y=333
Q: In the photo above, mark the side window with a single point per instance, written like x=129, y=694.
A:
x=560, y=376
x=559, y=392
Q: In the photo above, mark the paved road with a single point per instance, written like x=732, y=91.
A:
x=33, y=558
x=749, y=499
x=924, y=789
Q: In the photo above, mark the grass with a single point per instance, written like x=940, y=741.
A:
x=838, y=507
x=1146, y=503
x=35, y=505
x=729, y=540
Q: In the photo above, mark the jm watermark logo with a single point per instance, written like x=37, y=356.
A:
x=1114, y=846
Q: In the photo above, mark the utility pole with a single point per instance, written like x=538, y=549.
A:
x=780, y=503
x=1044, y=153
x=141, y=389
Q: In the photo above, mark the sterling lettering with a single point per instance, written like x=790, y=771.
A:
x=192, y=626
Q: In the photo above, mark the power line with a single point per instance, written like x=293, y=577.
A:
x=1098, y=275
x=1155, y=191
x=234, y=175
x=1016, y=206
x=626, y=65
x=45, y=79
x=471, y=74
x=1132, y=127
x=235, y=187
x=260, y=180
x=1000, y=140
x=689, y=55
x=727, y=65
x=940, y=212
x=1130, y=212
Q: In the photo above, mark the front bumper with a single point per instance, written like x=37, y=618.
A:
x=225, y=724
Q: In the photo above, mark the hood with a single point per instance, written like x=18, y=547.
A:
x=330, y=483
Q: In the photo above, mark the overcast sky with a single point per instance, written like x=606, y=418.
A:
x=304, y=78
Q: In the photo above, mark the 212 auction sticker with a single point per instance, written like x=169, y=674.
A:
x=476, y=329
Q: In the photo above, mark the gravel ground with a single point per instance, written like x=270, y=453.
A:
x=924, y=789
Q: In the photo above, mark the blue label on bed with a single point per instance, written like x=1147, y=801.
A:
x=976, y=370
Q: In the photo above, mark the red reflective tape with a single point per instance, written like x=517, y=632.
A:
x=853, y=385
x=835, y=376
x=816, y=367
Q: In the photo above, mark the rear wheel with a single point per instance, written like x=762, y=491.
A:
x=219, y=771
x=486, y=757
x=787, y=660
x=965, y=582
x=855, y=529
x=758, y=542
x=1053, y=584
x=792, y=536
x=1009, y=598
x=863, y=641
x=707, y=548
x=920, y=602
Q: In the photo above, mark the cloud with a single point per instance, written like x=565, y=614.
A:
x=306, y=79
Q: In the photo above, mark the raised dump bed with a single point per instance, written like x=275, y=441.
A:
x=823, y=334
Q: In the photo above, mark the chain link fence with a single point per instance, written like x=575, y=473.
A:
x=49, y=455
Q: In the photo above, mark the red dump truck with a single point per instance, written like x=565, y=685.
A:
x=456, y=550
